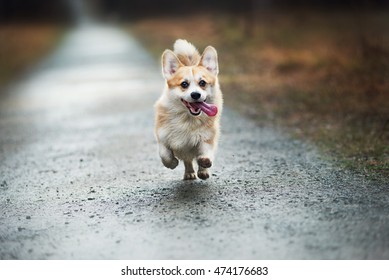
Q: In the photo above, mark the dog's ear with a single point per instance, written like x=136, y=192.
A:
x=170, y=64
x=209, y=60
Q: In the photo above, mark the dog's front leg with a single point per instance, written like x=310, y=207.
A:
x=167, y=157
x=202, y=173
x=204, y=160
x=205, y=156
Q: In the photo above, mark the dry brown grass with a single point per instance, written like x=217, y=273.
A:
x=22, y=45
x=322, y=77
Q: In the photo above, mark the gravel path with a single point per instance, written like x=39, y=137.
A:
x=80, y=177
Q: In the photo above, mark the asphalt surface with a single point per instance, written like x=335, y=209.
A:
x=80, y=177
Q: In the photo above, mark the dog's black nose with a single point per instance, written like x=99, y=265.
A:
x=195, y=95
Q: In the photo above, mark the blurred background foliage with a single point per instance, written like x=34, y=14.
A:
x=316, y=69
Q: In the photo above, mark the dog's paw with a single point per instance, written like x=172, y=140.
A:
x=204, y=162
x=190, y=176
x=203, y=175
x=171, y=163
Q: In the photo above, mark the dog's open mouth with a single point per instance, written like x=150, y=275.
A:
x=195, y=108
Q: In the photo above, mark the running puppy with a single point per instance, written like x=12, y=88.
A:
x=188, y=112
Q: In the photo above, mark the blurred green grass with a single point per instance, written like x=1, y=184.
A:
x=22, y=45
x=321, y=76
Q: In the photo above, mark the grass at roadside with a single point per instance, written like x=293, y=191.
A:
x=22, y=45
x=321, y=76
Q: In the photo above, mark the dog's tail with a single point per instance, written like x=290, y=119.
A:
x=186, y=52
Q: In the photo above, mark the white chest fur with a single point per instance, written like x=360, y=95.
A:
x=184, y=133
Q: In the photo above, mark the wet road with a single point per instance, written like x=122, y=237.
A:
x=80, y=177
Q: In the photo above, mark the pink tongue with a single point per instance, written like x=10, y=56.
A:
x=209, y=109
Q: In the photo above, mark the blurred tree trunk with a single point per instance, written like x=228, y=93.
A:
x=249, y=18
x=249, y=12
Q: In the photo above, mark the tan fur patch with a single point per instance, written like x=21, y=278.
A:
x=160, y=118
x=181, y=75
x=200, y=71
x=189, y=60
x=185, y=74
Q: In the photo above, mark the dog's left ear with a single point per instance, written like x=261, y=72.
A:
x=209, y=60
x=170, y=64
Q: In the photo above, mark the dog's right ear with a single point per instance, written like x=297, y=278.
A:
x=170, y=64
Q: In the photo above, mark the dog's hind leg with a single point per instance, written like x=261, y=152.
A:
x=189, y=171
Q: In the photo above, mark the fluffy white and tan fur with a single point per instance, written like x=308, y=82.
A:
x=180, y=134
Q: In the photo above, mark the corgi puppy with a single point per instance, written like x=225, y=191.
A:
x=187, y=115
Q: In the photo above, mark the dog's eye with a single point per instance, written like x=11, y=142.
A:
x=202, y=83
x=184, y=84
